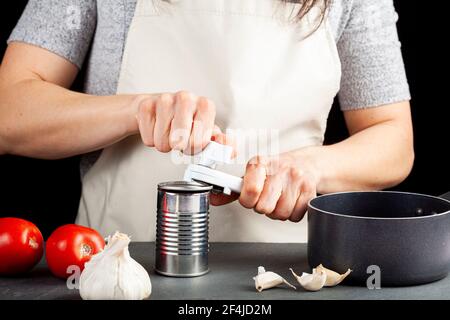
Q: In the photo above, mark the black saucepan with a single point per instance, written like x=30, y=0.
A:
x=406, y=235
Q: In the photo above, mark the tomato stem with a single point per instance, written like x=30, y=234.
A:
x=86, y=250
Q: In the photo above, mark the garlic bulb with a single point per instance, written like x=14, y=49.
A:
x=113, y=275
x=333, y=278
x=268, y=279
x=311, y=282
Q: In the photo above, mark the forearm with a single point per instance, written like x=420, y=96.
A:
x=375, y=158
x=43, y=120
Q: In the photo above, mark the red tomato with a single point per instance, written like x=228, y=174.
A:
x=70, y=245
x=21, y=246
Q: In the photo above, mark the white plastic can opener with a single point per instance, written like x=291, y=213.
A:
x=204, y=169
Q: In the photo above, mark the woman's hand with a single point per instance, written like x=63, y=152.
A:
x=378, y=154
x=278, y=186
x=180, y=121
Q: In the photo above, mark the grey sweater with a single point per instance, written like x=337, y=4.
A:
x=365, y=32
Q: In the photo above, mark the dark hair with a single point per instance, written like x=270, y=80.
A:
x=306, y=6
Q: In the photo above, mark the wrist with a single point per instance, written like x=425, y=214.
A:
x=312, y=159
x=131, y=110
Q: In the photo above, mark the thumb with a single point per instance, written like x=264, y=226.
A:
x=220, y=137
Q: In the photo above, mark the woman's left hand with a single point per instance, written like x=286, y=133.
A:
x=278, y=186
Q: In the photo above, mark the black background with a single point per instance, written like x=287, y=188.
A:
x=47, y=192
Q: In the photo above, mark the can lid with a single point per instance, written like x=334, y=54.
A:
x=184, y=186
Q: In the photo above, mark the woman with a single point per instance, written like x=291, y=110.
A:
x=158, y=69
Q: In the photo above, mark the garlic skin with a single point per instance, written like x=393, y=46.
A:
x=333, y=278
x=311, y=282
x=113, y=275
x=268, y=279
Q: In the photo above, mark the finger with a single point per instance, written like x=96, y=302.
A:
x=307, y=193
x=216, y=131
x=146, y=121
x=181, y=125
x=164, y=116
x=203, y=126
x=252, y=185
x=222, y=199
x=220, y=137
x=264, y=160
x=270, y=195
x=286, y=203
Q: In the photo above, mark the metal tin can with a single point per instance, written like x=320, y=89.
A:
x=182, y=229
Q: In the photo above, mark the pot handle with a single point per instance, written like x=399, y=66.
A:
x=446, y=196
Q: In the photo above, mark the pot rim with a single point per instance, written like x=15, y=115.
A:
x=379, y=218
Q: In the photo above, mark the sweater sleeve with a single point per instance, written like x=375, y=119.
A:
x=64, y=27
x=373, y=72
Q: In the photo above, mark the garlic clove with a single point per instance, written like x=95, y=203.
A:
x=333, y=278
x=268, y=279
x=261, y=270
x=311, y=282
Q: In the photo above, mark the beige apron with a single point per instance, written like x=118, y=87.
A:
x=247, y=57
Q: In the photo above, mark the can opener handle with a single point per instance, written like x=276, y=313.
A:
x=204, y=169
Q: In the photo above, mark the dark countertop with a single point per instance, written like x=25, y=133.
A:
x=233, y=266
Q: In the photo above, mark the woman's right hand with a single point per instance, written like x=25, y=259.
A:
x=180, y=121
